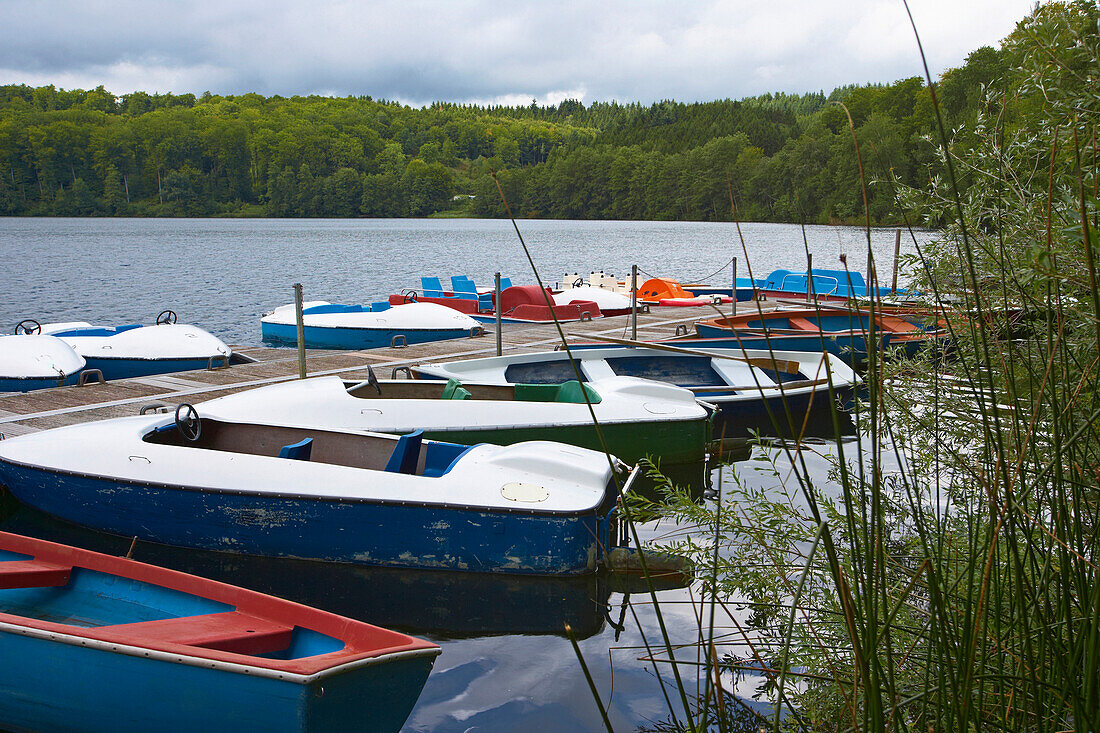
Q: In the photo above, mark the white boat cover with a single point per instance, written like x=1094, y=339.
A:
x=605, y=299
x=162, y=341
x=36, y=356
x=324, y=403
x=410, y=316
x=574, y=479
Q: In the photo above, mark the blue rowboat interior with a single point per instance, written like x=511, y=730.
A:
x=109, y=644
x=332, y=495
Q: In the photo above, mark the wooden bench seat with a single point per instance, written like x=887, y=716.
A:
x=803, y=325
x=231, y=631
x=32, y=574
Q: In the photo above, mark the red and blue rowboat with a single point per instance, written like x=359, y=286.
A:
x=101, y=643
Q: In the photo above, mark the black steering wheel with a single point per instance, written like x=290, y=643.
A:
x=578, y=282
x=188, y=422
x=28, y=326
x=166, y=316
x=409, y=296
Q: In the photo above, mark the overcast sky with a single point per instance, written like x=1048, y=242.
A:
x=485, y=51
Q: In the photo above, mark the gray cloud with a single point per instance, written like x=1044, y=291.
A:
x=485, y=50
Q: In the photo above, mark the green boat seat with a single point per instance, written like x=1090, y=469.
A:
x=406, y=454
x=454, y=390
x=574, y=391
x=536, y=392
x=299, y=451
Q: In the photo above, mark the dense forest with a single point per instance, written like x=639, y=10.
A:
x=785, y=157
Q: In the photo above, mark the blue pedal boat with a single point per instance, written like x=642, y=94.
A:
x=134, y=350
x=96, y=643
x=752, y=390
x=33, y=361
x=825, y=285
x=337, y=495
x=334, y=326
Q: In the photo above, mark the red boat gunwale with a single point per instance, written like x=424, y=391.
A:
x=258, y=624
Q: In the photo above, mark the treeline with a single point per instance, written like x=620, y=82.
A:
x=785, y=157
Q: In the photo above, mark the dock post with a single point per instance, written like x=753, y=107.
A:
x=633, y=302
x=809, y=277
x=300, y=319
x=496, y=307
x=733, y=305
x=897, y=253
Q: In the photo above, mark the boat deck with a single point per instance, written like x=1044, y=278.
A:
x=48, y=408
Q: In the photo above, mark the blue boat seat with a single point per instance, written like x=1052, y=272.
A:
x=299, y=451
x=407, y=453
x=454, y=390
x=505, y=283
x=464, y=288
x=442, y=457
x=379, y=306
x=432, y=287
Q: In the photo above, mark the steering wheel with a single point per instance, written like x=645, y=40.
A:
x=578, y=282
x=187, y=422
x=28, y=326
x=166, y=316
x=409, y=296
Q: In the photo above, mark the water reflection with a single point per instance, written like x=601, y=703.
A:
x=443, y=605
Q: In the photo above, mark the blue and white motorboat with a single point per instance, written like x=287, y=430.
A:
x=330, y=495
x=752, y=389
x=134, y=350
x=33, y=361
x=102, y=644
x=824, y=284
x=334, y=326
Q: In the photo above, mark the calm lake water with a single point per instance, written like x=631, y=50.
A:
x=506, y=664
x=223, y=274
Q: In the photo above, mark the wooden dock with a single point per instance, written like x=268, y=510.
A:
x=32, y=411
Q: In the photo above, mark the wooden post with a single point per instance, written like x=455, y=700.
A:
x=733, y=305
x=634, y=302
x=897, y=254
x=809, y=277
x=301, y=330
x=496, y=303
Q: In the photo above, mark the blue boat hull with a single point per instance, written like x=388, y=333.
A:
x=354, y=338
x=29, y=384
x=372, y=533
x=811, y=415
x=72, y=687
x=126, y=368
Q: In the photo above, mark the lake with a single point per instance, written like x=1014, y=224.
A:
x=506, y=663
x=223, y=274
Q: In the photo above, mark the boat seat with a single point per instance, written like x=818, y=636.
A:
x=406, y=455
x=231, y=631
x=573, y=391
x=455, y=391
x=32, y=574
x=505, y=283
x=803, y=324
x=432, y=287
x=464, y=287
x=299, y=451
x=896, y=325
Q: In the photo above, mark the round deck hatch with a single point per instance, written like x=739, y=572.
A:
x=659, y=408
x=530, y=493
